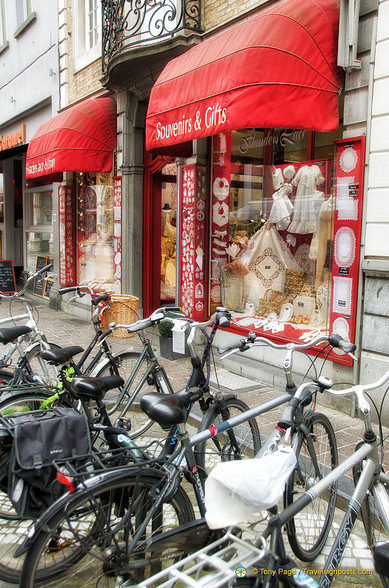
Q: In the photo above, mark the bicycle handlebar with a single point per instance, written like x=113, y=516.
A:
x=252, y=341
x=155, y=317
x=77, y=289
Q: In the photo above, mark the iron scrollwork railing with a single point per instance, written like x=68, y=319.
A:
x=127, y=23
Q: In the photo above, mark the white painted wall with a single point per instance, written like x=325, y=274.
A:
x=27, y=62
x=377, y=210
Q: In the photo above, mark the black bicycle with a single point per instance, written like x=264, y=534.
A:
x=116, y=526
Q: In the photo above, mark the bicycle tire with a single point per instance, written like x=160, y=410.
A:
x=91, y=544
x=220, y=448
x=125, y=363
x=13, y=528
x=374, y=529
x=41, y=368
x=308, y=531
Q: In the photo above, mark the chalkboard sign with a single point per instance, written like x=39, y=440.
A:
x=49, y=284
x=7, y=276
x=39, y=283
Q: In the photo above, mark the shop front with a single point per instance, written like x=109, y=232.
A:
x=270, y=200
x=75, y=150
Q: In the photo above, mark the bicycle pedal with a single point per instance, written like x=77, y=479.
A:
x=124, y=423
x=150, y=380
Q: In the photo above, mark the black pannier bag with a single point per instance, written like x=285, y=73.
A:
x=39, y=438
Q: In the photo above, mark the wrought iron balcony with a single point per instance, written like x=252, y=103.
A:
x=130, y=23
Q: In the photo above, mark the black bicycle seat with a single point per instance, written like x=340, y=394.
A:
x=165, y=409
x=62, y=355
x=95, y=388
x=9, y=334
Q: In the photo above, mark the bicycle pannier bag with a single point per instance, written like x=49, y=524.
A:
x=39, y=438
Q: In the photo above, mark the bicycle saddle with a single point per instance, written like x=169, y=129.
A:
x=60, y=356
x=165, y=409
x=9, y=334
x=95, y=388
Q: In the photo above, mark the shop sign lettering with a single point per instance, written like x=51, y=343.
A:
x=41, y=167
x=14, y=139
x=287, y=137
x=212, y=117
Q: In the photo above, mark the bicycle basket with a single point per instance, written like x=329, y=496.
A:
x=122, y=312
x=40, y=437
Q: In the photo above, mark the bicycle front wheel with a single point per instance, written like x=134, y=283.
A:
x=375, y=502
x=125, y=364
x=317, y=454
x=243, y=441
x=84, y=544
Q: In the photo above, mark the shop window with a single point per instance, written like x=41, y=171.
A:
x=285, y=234
x=95, y=227
x=39, y=226
x=279, y=206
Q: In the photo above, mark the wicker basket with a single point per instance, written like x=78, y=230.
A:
x=122, y=312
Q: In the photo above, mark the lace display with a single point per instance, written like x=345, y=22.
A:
x=308, y=199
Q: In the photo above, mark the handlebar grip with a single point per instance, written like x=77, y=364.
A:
x=140, y=326
x=105, y=334
x=231, y=346
x=223, y=321
x=172, y=309
x=67, y=289
x=100, y=298
x=338, y=341
x=45, y=269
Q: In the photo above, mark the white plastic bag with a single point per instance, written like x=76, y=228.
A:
x=235, y=490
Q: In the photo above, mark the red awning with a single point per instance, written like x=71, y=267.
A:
x=81, y=139
x=275, y=69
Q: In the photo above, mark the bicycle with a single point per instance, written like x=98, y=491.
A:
x=110, y=444
x=211, y=566
x=133, y=546
x=29, y=366
x=100, y=362
x=87, y=389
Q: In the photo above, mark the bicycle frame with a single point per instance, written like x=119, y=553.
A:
x=154, y=370
x=367, y=454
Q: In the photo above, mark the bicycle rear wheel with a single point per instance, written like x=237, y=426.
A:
x=243, y=441
x=125, y=363
x=46, y=372
x=308, y=531
x=85, y=542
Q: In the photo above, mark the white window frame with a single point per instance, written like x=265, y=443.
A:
x=23, y=11
x=3, y=27
x=86, y=50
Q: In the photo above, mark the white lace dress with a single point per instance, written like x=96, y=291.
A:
x=308, y=200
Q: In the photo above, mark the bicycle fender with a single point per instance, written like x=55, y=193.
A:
x=65, y=501
x=104, y=362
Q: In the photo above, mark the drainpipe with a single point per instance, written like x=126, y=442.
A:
x=359, y=322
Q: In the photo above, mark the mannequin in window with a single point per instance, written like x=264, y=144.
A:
x=308, y=199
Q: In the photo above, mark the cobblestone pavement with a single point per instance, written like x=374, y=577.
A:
x=64, y=329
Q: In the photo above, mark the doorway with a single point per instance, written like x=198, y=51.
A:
x=160, y=235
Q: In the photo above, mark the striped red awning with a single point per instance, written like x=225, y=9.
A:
x=275, y=69
x=81, y=139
